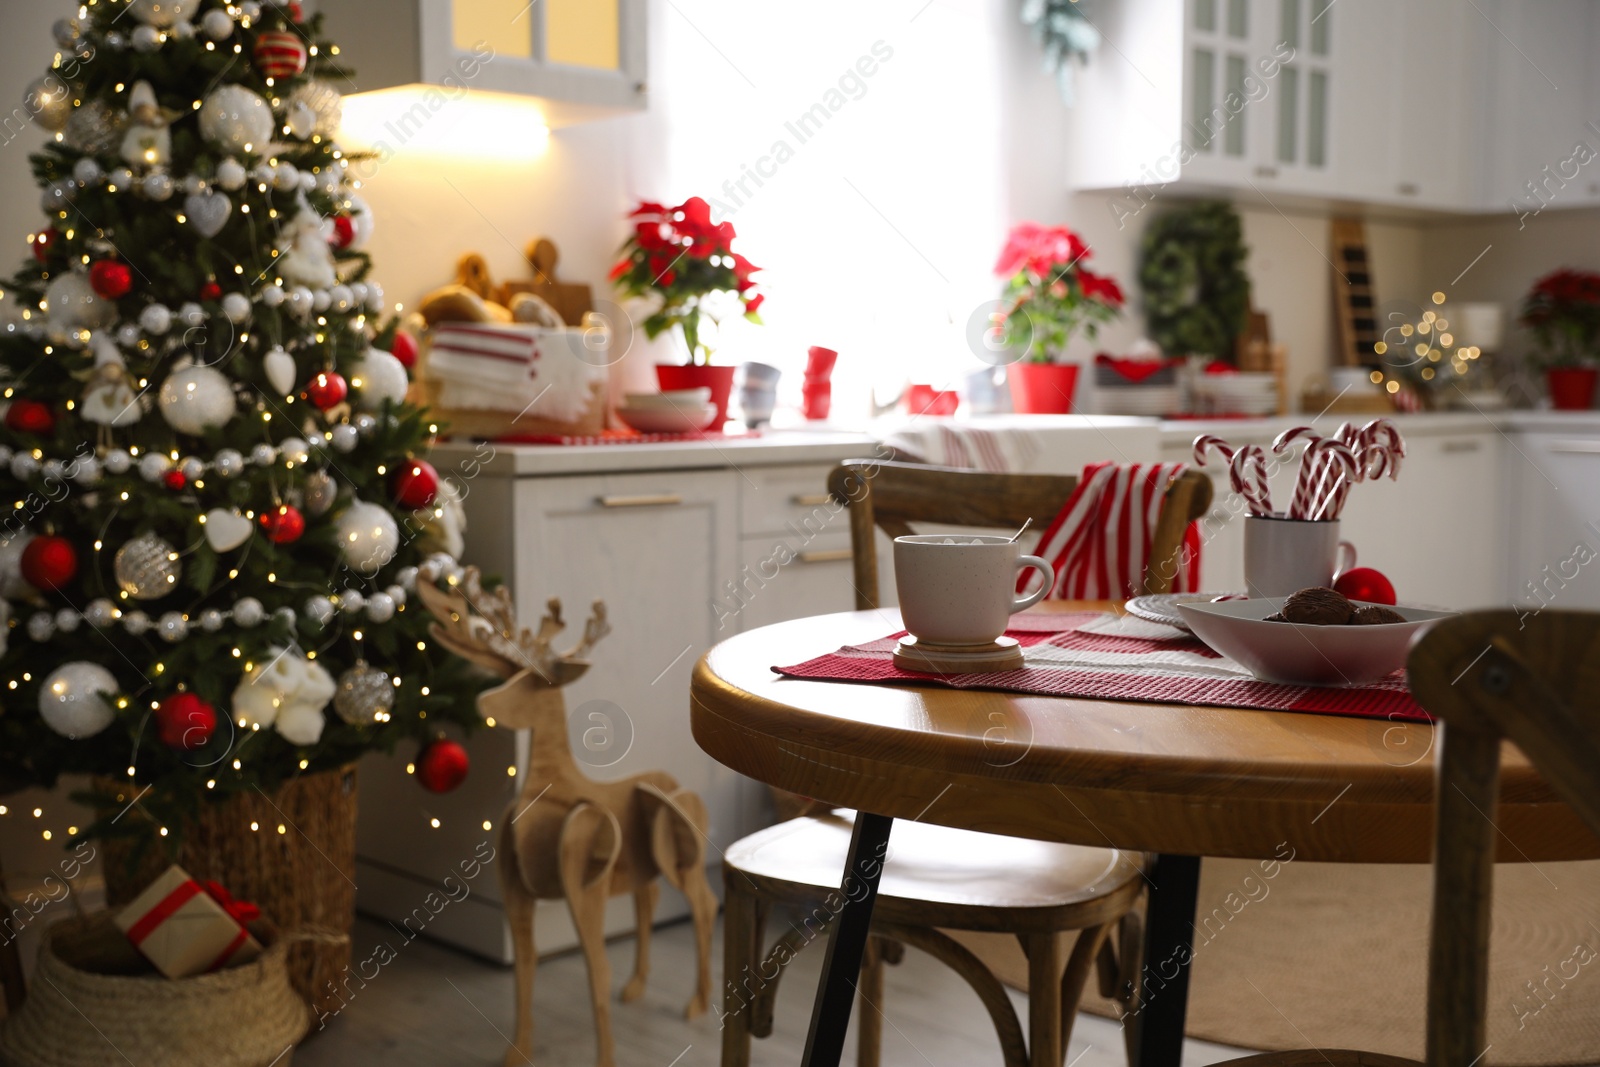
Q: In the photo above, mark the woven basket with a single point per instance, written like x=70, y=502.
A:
x=89, y=1006
x=303, y=877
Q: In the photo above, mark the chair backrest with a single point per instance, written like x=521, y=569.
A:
x=891, y=495
x=1491, y=676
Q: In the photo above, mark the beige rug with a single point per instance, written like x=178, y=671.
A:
x=1335, y=956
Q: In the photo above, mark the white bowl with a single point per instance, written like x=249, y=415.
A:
x=686, y=419
x=1302, y=654
x=677, y=398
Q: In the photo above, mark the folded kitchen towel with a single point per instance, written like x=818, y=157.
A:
x=1099, y=543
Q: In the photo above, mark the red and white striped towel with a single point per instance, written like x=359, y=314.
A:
x=942, y=444
x=1099, y=543
x=487, y=355
x=530, y=370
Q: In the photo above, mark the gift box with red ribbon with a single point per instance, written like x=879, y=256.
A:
x=186, y=927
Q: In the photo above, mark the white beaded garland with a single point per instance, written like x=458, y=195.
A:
x=100, y=613
x=210, y=620
x=345, y=438
x=118, y=461
x=41, y=626
x=172, y=627
x=157, y=186
x=273, y=296
x=153, y=465
x=136, y=623
x=351, y=601
x=380, y=607
x=236, y=306
x=248, y=612
x=320, y=610
x=156, y=319
x=67, y=620
x=228, y=462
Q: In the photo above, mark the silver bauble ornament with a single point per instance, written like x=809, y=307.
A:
x=93, y=128
x=236, y=119
x=216, y=24
x=320, y=492
x=172, y=627
x=73, y=701
x=161, y=13
x=365, y=695
x=146, y=568
x=136, y=623
x=87, y=171
x=367, y=537
x=49, y=102
x=380, y=607
x=248, y=612
x=230, y=175
x=100, y=613
x=195, y=399
x=211, y=620
x=145, y=39
x=74, y=304
x=228, y=462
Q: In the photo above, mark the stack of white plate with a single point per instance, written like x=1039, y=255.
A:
x=1153, y=400
x=1238, y=394
x=680, y=411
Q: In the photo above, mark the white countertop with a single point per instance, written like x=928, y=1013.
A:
x=1181, y=432
x=768, y=449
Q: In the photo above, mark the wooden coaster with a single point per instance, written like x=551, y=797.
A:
x=1005, y=654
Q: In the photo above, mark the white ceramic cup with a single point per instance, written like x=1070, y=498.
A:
x=1283, y=556
x=960, y=589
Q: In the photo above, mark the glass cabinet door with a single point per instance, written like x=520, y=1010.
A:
x=1301, y=112
x=1219, y=58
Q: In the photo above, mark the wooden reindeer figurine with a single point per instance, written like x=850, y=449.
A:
x=567, y=836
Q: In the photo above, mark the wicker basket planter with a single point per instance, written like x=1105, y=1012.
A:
x=303, y=878
x=89, y=1005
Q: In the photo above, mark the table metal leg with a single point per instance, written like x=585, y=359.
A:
x=1168, y=947
x=847, y=941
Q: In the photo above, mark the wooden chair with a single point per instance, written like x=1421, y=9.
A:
x=894, y=495
x=1489, y=677
x=936, y=877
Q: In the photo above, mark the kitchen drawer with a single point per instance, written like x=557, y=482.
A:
x=783, y=500
x=782, y=578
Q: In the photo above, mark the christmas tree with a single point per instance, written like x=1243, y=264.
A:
x=220, y=507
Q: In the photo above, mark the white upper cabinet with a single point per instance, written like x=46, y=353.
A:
x=1429, y=105
x=577, y=59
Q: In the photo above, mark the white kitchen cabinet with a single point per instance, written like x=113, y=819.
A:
x=1555, y=545
x=664, y=535
x=575, y=59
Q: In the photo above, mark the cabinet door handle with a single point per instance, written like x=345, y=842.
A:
x=826, y=555
x=811, y=500
x=1408, y=189
x=1461, y=446
x=641, y=500
x=1588, y=448
x=1266, y=172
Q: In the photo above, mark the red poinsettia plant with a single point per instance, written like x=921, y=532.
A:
x=1049, y=293
x=678, y=256
x=1563, y=311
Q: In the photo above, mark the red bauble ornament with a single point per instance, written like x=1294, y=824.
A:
x=283, y=524
x=404, y=348
x=327, y=390
x=43, y=242
x=211, y=290
x=49, y=562
x=184, y=721
x=30, y=416
x=415, y=484
x=344, y=231
x=442, y=765
x=174, y=480
x=295, y=11
x=1364, y=583
x=110, y=279
x=279, y=54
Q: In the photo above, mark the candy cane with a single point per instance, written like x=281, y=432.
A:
x=1334, y=466
x=1281, y=443
x=1248, y=475
x=1211, y=442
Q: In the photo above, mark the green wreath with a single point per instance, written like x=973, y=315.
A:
x=1196, y=293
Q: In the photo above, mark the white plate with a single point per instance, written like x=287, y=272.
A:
x=669, y=420
x=678, y=398
x=1301, y=654
x=1163, y=607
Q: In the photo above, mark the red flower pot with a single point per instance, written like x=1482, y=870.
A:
x=719, y=380
x=1571, y=388
x=1042, y=388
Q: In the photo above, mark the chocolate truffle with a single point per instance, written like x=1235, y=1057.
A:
x=1375, y=615
x=1318, y=606
x=1276, y=616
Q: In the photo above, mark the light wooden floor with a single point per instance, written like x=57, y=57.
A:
x=434, y=1007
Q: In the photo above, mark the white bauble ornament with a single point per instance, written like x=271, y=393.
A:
x=87, y=171
x=293, y=450
x=234, y=118
x=216, y=24
x=345, y=437
x=341, y=296
x=236, y=306
x=158, y=186
x=263, y=173
x=300, y=300
x=41, y=626
x=12, y=584
x=161, y=13
x=273, y=296
x=320, y=492
x=230, y=174
x=153, y=466
x=156, y=319
x=121, y=177
x=281, y=371
x=73, y=699
x=321, y=300
x=351, y=601
x=146, y=568
x=145, y=39
x=49, y=102
x=74, y=304
x=250, y=10
x=23, y=466
x=380, y=607
x=67, y=620
x=226, y=530
x=192, y=314
x=195, y=399
x=286, y=177
x=368, y=536
x=320, y=610
x=67, y=32
x=192, y=467
x=118, y=461
x=192, y=183
x=127, y=336
x=377, y=378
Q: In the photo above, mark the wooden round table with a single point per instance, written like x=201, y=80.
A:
x=1180, y=781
